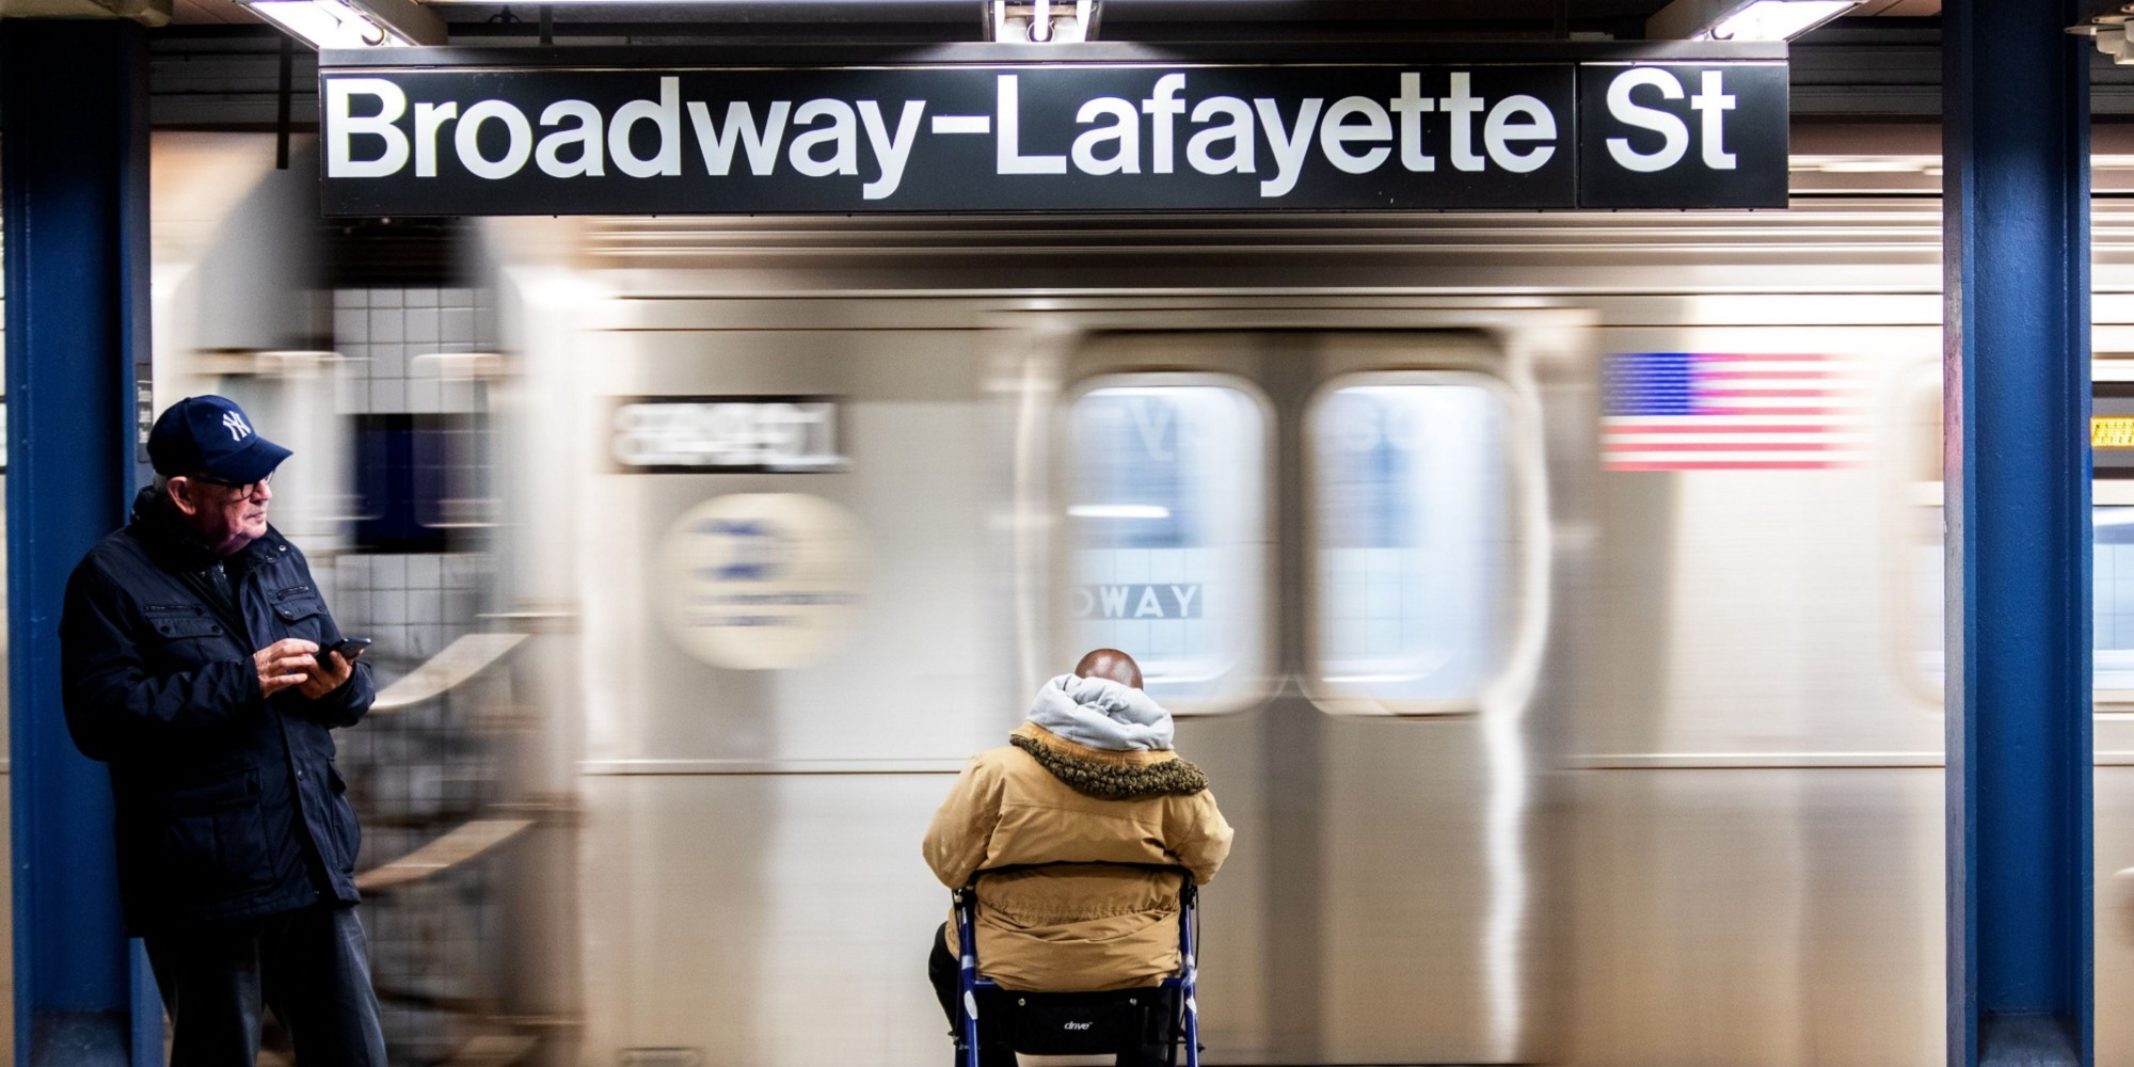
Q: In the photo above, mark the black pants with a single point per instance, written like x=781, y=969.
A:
x=941, y=968
x=311, y=966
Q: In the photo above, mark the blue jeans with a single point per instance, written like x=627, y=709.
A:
x=311, y=966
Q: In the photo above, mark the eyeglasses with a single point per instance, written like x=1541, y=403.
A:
x=238, y=490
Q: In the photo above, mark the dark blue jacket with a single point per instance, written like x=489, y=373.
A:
x=229, y=805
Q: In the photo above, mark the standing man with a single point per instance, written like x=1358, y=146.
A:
x=191, y=654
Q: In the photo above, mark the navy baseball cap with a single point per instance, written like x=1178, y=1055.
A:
x=210, y=435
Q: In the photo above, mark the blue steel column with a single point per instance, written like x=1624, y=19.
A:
x=73, y=177
x=2015, y=111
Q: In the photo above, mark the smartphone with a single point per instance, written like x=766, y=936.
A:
x=349, y=647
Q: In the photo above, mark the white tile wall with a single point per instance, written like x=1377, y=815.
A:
x=424, y=572
x=416, y=770
x=412, y=605
x=384, y=333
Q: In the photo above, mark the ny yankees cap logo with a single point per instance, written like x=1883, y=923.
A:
x=209, y=437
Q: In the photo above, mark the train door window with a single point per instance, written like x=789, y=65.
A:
x=2112, y=530
x=1411, y=520
x=1168, y=527
x=1924, y=518
x=2112, y=605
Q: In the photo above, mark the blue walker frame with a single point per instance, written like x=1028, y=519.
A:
x=1185, y=982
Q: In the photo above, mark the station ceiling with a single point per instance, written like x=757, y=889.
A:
x=1134, y=20
x=218, y=67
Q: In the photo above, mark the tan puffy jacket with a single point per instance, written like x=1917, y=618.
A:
x=1082, y=922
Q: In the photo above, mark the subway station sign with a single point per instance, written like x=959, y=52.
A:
x=1100, y=137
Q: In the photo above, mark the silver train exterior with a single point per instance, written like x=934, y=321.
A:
x=1532, y=758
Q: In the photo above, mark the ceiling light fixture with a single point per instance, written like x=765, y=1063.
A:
x=1041, y=21
x=353, y=23
x=2108, y=29
x=1742, y=20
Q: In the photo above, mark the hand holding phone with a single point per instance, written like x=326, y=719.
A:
x=349, y=648
x=327, y=675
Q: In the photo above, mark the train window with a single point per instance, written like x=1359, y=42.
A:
x=2112, y=599
x=1929, y=623
x=1169, y=533
x=1924, y=533
x=1412, y=536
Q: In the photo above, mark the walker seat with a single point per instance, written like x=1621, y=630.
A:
x=1077, y=1024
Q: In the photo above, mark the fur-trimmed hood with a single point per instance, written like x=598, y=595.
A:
x=1106, y=774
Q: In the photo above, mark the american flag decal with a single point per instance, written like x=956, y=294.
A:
x=1696, y=411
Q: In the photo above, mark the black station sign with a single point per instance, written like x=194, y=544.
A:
x=1097, y=137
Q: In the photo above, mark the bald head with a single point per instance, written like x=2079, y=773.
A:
x=1110, y=664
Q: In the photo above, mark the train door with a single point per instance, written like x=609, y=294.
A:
x=1329, y=550
x=783, y=545
x=1759, y=791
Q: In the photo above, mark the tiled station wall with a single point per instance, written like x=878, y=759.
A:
x=421, y=771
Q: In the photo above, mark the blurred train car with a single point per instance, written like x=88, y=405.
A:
x=717, y=545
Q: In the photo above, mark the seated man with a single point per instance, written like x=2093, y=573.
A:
x=1087, y=785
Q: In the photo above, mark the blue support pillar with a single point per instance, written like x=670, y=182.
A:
x=2015, y=110
x=74, y=204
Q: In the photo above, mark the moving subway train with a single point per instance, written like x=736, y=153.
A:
x=1553, y=601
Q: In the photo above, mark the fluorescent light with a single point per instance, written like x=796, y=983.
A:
x=323, y=23
x=1778, y=20
x=1741, y=20
x=2111, y=39
x=353, y=23
x=1119, y=511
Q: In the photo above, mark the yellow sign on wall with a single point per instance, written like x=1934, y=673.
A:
x=2112, y=431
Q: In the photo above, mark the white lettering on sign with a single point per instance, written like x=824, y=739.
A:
x=1539, y=124
x=1411, y=105
x=760, y=142
x=741, y=434
x=429, y=118
x=1148, y=602
x=666, y=117
x=517, y=148
x=347, y=126
x=1713, y=104
x=583, y=140
x=1461, y=107
x=663, y=135
x=1009, y=158
x=1338, y=130
x=1163, y=106
x=1674, y=133
x=892, y=149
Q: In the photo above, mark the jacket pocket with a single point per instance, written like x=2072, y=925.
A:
x=214, y=838
x=188, y=637
x=301, y=616
x=347, y=832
